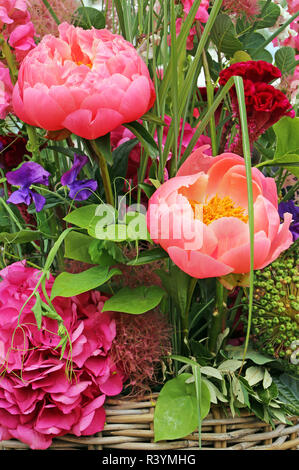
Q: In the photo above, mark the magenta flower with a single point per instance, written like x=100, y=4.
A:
x=79, y=190
x=37, y=400
x=29, y=173
x=6, y=88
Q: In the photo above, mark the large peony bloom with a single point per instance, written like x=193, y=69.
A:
x=87, y=81
x=200, y=217
x=37, y=400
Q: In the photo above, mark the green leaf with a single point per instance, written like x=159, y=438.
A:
x=37, y=310
x=288, y=392
x=150, y=117
x=285, y=60
x=254, y=375
x=267, y=395
x=224, y=36
x=176, y=283
x=88, y=216
x=253, y=43
x=120, y=158
x=135, y=301
x=76, y=246
x=105, y=253
x=267, y=380
x=287, y=134
x=176, y=412
x=144, y=137
x=23, y=236
x=148, y=256
x=230, y=365
x=103, y=144
x=211, y=372
x=237, y=352
x=270, y=15
x=86, y=17
x=68, y=285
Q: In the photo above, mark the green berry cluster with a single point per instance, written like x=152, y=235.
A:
x=275, y=316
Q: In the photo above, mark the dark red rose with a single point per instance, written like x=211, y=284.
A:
x=254, y=70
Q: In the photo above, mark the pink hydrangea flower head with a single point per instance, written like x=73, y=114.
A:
x=200, y=217
x=37, y=400
x=86, y=81
x=6, y=88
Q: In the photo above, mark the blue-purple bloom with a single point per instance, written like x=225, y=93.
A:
x=290, y=207
x=26, y=175
x=79, y=189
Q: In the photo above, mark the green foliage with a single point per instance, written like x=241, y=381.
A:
x=69, y=285
x=135, y=301
x=176, y=412
x=285, y=60
x=224, y=36
x=88, y=17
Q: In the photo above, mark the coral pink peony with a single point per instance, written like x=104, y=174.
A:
x=87, y=81
x=6, y=88
x=200, y=217
x=37, y=400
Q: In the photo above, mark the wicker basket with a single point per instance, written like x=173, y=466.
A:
x=129, y=425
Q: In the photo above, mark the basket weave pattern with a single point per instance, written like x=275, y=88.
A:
x=129, y=425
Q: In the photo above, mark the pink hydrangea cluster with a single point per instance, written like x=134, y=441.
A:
x=17, y=27
x=6, y=88
x=38, y=401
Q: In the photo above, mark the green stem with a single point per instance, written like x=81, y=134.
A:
x=33, y=142
x=6, y=51
x=185, y=317
x=52, y=13
x=104, y=173
x=219, y=316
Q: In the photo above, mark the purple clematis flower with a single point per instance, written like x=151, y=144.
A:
x=79, y=190
x=29, y=173
x=290, y=207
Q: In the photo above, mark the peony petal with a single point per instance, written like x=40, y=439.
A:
x=197, y=264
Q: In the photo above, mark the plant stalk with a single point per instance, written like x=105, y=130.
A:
x=219, y=316
x=104, y=173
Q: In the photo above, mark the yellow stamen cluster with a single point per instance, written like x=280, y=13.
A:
x=217, y=208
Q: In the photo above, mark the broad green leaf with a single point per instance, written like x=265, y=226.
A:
x=135, y=301
x=230, y=365
x=270, y=15
x=23, y=236
x=103, y=144
x=224, y=36
x=237, y=352
x=76, y=247
x=90, y=215
x=288, y=391
x=211, y=372
x=287, y=134
x=68, y=285
x=267, y=380
x=105, y=253
x=285, y=60
x=254, y=375
x=267, y=395
x=87, y=17
x=176, y=412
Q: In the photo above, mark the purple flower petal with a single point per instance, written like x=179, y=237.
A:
x=38, y=200
x=69, y=177
x=29, y=173
x=81, y=190
x=20, y=196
